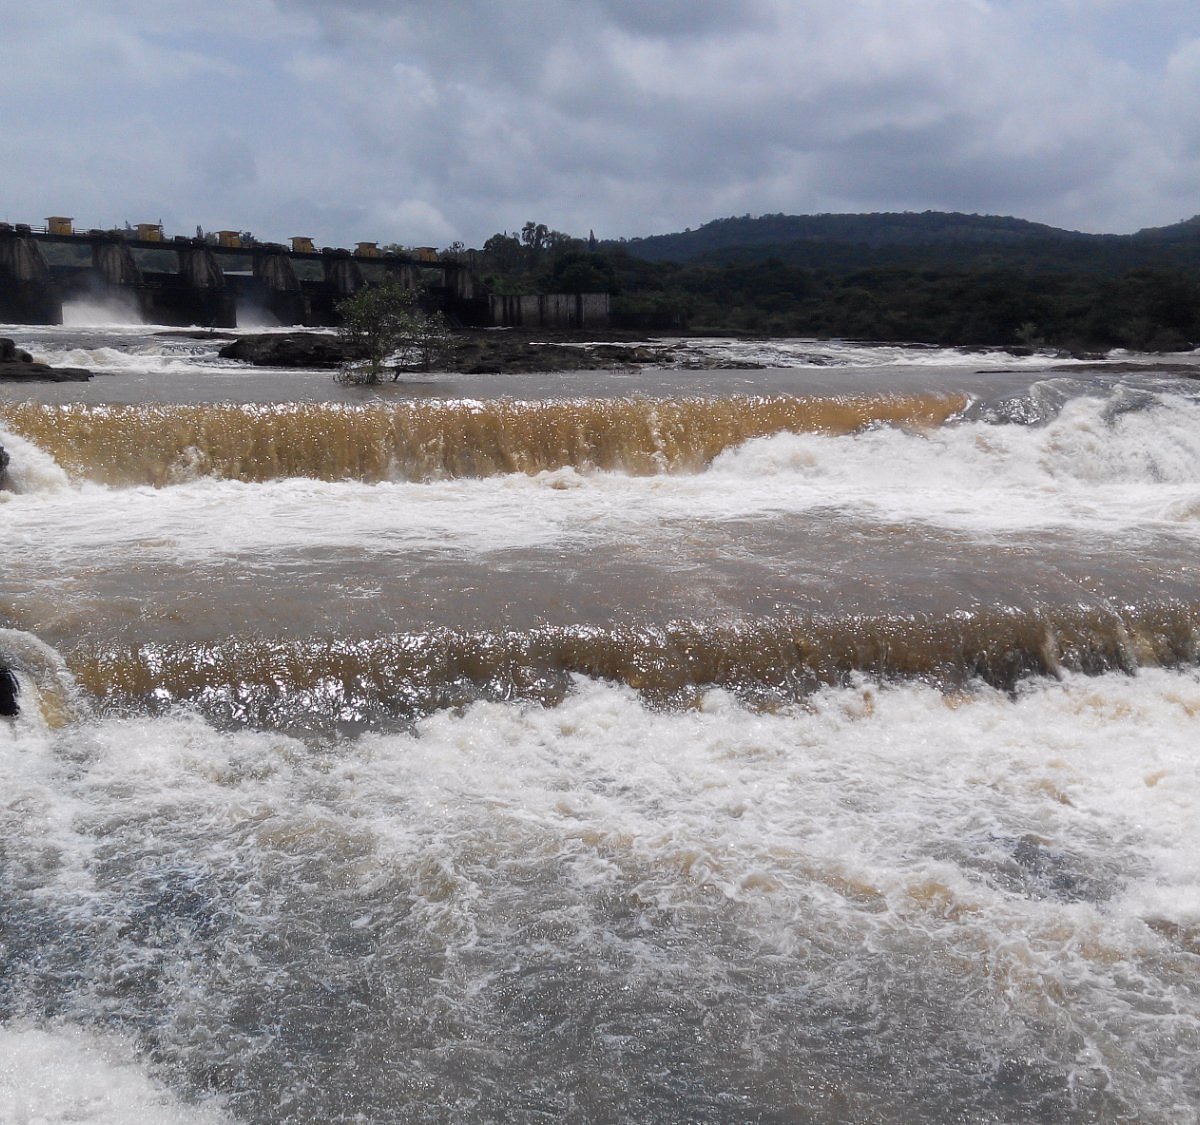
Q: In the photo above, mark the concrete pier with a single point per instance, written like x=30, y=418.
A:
x=28, y=293
x=116, y=272
x=113, y=261
x=281, y=294
x=341, y=277
x=200, y=296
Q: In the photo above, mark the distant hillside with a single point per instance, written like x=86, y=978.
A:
x=932, y=239
x=769, y=232
x=934, y=277
x=1184, y=232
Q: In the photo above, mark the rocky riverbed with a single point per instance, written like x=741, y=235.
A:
x=472, y=351
x=16, y=364
x=484, y=351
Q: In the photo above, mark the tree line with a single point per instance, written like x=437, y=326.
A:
x=1003, y=282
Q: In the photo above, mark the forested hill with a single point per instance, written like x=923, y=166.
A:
x=932, y=277
x=928, y=238
x=771, y=233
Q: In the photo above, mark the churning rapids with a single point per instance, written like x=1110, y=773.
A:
x=807, y=744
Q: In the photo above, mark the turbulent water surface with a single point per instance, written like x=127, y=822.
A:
x=814, y=743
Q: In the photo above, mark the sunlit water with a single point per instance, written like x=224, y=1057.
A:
x=814, y=743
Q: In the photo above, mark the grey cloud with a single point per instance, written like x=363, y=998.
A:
x=457, y=118
x=938, y=166
x=675, y=19
x=226, y=161
x=610, y=93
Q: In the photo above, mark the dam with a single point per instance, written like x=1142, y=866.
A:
x=225, y=279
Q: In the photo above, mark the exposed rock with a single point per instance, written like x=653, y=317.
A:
x=472, y=351
x=10, y=353
x=290, y=349
x=10, y=688
x=478, y=352
x=17, y=364
x=197, y=334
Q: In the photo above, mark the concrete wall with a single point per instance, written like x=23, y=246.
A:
x=28, y=294
x=552, y=310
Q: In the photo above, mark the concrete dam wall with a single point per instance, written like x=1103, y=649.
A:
x=551, y=310
x=191, y=281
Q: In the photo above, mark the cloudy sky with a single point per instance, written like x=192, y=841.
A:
x=427, y=121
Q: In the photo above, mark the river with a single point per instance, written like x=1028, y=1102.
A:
x=806, y=740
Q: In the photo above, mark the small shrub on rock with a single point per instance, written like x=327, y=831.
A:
x=387, y=327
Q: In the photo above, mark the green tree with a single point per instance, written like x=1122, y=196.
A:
x=385, y=329
x=535, y=236
x=576, y=271
x=504, y=253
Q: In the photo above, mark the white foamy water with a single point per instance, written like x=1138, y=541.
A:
x=844, y=353
x=55, y=1076
x=724, y=894
x=886, y=892
x=30, y=470
x=107, y=341
x=733, y=353
x=1088, y=469
x=111, y=313
x=160, y=358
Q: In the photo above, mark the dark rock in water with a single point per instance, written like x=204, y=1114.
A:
x=10, y=353
x=42, y=372
x=486, y=352
x=197, y=334
x=290, y=349
x=17, y=364
x=475, y=351
x=10, y=688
